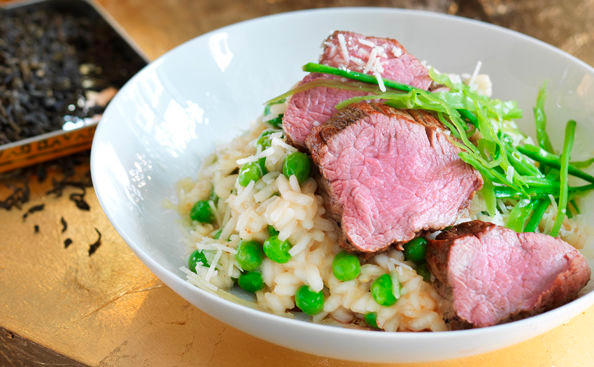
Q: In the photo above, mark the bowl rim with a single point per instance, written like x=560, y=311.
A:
x=172, y=278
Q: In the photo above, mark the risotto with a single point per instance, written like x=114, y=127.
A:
x=297, y=213
x=299, y=266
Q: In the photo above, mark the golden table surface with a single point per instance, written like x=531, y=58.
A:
x=61, y=307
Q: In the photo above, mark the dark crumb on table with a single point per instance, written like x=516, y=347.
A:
x=67, y=242
x=79, y=201
x=18, y=197
x=78, y=198
x=95, y=245
x=36, y=228
x=33, y=209
x=67, y=169
x=64, y=224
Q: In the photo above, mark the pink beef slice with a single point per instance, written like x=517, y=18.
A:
x=493, y=274
x=314, y=106
x=389, y=174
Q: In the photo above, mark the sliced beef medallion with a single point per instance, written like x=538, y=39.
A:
x=355, y=52
x=493, y=274
x=389, y=174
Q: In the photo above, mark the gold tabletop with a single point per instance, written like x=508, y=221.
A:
x=108, y=309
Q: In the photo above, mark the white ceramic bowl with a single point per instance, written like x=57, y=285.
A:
x=209, y=90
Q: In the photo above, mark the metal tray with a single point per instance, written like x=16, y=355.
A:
x=59, y=143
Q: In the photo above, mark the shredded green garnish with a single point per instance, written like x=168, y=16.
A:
x=329, y=83
x=563, y=190
x=553, y=160
x=490, y=197
x=517, y=217
x=540, y=120
x=541, y=206
x=525, y=177
x=583, y=164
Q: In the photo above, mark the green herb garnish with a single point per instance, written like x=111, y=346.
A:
x=563, y=190
x=526, y=177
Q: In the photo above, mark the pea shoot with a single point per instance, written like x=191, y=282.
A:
x=553, y=160
x=277, y=250
x=297, y=164
x=563, y=194
x=540, y=120
x=539, y=209
x=251, y=281
x=202, y=212
x=415, y=250
x=250, y=172
x=382, y=290
x=482, y=129
x=371, y=320
x=309, y=301
x=197, y=256
x=346, y=266
x=249, y=255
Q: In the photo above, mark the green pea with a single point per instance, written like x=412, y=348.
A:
x=309, y=301
x=202, y=212
x=195, y=257
x=371, y=320
x=297, y=164
x=264, y=140
x=346, y=266
x=249, y=255
x=250, y=172
x=262, y=164
x=382, y=290
x=277, y=121
x=272, y=231
x=277, y=250
x=423, y=270
x=415, y=250
x=251, y=281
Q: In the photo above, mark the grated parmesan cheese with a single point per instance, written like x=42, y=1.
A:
x=397, y=51
x=365, y=42
x=400, y=263
x=380, y=81
x=279, y=142
x=217, y=247
x=212, y=269
x=253, y=158
x=197, y=280
x=477, y=68
x=371, y=61
x=357, y=60
x=455, y=78
x=343, y=48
